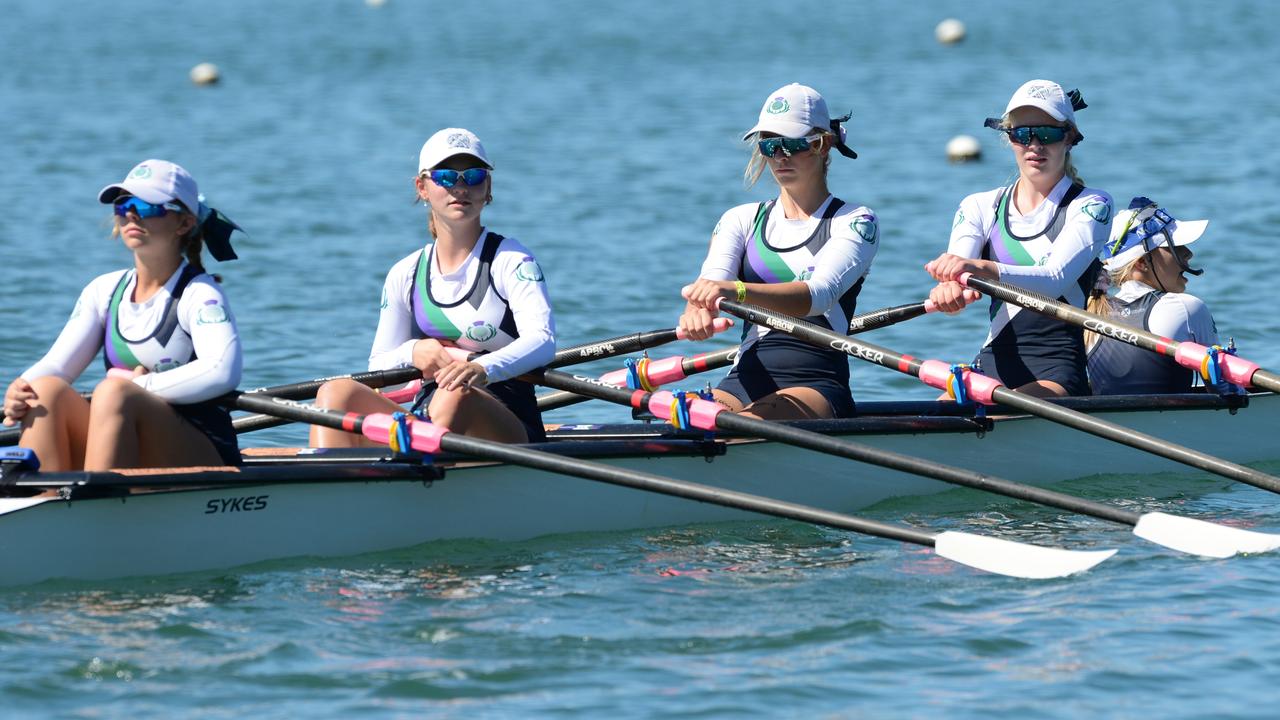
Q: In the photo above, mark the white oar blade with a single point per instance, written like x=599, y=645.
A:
x=1199, y=537
x=1015, y=559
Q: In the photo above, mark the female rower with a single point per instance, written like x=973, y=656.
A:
x=1147, y=258
x=1041, y=233
x=169, y=340
x=471, y=288
x=804, y=253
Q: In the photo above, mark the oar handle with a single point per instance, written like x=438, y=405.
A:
x=889, y=316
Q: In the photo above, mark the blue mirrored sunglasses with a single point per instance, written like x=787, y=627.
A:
x=1045, y=134
x=449, y=178
x=770, y=147
x=144, y=209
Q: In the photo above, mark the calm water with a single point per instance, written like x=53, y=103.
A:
x=613, y=127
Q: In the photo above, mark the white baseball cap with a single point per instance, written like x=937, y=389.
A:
x=156, y=182
x=447, y=143
x=1144, y=220
x=792, y=111
x=1046, y=95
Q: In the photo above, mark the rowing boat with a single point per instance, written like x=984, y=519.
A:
x=288, y=503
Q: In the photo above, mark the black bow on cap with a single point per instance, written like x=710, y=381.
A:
x=217, y=229
x=844, y=150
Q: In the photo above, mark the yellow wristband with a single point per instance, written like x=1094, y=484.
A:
x=741, y=287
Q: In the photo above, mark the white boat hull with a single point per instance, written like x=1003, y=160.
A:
x=191, y=530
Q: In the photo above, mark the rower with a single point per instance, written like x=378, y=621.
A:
x=169, y=342
x=1041, y=233
x=804, y=253
x=1147, y=258
x=470, y=288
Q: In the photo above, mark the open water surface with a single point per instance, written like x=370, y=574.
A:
x=613, y=127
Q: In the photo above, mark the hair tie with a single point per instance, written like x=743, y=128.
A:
x=1103, y=282
x=1077, y=102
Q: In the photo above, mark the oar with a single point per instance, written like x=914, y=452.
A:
x=889, y=316
x=585, y=352
x=652, y=374
x=988, y=391
x=1005, y=557
x=1189, y=535
x=675, y=369
x=1187, y=354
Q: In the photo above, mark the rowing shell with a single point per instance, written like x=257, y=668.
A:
x=290, y=503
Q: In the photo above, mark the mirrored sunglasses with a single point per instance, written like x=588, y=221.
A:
x=770, y=147
x=449, y=178
x=143, y=209
x=1045, y=134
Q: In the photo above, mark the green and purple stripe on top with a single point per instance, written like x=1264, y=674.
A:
x=431, y=319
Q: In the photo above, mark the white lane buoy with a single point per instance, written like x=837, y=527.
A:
x=963, y=148
x=949, y=31
x=205, y=74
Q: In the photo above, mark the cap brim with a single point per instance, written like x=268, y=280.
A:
x=784, y=128
x=1186, y=232
x=109, y=194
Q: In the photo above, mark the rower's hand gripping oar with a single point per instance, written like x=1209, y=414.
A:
x=1197, y=537
x=1190, y=355
x=995, y=555
x=987, y=391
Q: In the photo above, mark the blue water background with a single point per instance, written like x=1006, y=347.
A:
x=614, y=130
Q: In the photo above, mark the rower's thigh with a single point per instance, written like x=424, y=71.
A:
x=796, y=403
x=347, y=395
x=478, y=414
x=164, y=437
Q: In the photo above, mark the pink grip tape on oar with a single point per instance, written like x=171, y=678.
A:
x=702, y=413
x=657, y=372
x=425, y=436
x=979, y=387
x=1236, y=370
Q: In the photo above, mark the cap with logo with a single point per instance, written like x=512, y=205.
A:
x=159, y=182
x=1049, y=97
x=156, y=182
x=793, y=111
x=447, y=143
x=1144, y=227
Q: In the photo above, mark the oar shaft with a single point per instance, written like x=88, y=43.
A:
x=1134, y=438
x=684, y=368
x=845, y=448
x=454, y=442
x=986, y=389
x=823, y=337
x=1187, y=354
x=620, y=345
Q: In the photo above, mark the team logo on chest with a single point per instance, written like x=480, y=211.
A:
x=481, y=331
x=806, y=274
